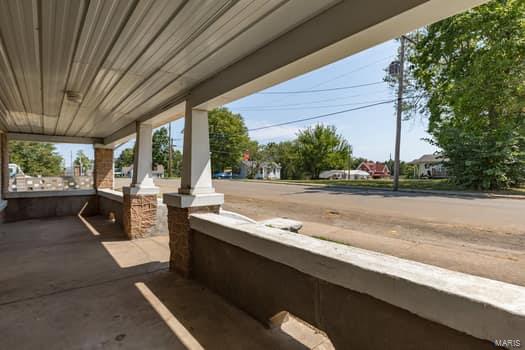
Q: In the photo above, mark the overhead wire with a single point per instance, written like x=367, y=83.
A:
x=360, y=68
x=305, y=103
x=320, y=90
x=328, y=114
x=316, y=107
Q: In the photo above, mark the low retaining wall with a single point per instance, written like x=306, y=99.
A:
x=361, y=299
x=42, y=204
x=36, y=205
x=110, y=203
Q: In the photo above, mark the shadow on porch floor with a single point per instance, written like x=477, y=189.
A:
x=74, y=283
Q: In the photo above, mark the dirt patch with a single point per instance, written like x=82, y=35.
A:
x=496, y=255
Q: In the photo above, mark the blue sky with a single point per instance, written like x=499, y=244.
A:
x=371, y=131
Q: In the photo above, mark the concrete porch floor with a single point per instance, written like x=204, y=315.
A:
x=74, y=283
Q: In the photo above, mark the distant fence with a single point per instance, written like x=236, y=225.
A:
x=22, y=183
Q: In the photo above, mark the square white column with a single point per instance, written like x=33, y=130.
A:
x=196, y=186
x=196, y=163
x=142, y=182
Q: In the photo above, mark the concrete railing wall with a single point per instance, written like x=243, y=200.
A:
x=106, y=202
x=50, y=183
x=110, y=203
x=36, y=205
x=361, y=299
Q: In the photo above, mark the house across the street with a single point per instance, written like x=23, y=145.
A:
x=127, y=171
x=262, y=170
x=430, y=166
x=344, y=175
x=376, y=170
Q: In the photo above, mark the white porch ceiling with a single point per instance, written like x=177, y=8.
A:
x=135, y=59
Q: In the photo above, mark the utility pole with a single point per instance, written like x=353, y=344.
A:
x=169, y=150
x=349, y=165
x=399, y=112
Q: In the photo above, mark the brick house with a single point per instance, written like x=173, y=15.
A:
x=376, y=170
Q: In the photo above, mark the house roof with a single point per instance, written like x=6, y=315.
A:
x=375, y=167
x=428, y=159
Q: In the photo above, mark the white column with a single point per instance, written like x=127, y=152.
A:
x=196, y=186
x=4, y=170
x=196, y=164
x=142, y=182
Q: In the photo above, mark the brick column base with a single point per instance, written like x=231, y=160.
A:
x=181, y=236
x=139, y=214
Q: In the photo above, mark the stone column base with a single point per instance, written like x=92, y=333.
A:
x=181, y=236
x=180, y=207
x=139, y=214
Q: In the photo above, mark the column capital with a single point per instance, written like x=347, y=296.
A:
x=139, y=190
x=102, y=146
x=179, y=200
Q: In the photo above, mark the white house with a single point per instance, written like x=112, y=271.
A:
x=344, y=175
x=429, y=166
x=263, y=171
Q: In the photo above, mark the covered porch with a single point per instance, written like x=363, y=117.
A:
x=97, y=268
x=72, y=282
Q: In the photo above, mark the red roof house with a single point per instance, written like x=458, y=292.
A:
x=375, y=169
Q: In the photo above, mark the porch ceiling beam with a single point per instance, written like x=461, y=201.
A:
x=52, y=138
x=340, y=31
x=173, y=111
x=122, y=135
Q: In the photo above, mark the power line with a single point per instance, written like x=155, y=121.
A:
x=305, y=103
x=313, y=107
x=319, y=90
x=322, y=115
x=328, y=114
x=360, y=68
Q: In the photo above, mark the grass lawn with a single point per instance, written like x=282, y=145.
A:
x=416, y=184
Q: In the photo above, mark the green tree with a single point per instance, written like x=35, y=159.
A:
x=228, y=139
x=176, y=163
x=36, y=158
x=356, y=162
x=404, y=168
x=321, y=148
x=160, y=152
x=471, y=68
x=160, y=147
x=287, y=155
x=125, y=158
x=83, y=162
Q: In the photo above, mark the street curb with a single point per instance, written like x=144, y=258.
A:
x=405, y=190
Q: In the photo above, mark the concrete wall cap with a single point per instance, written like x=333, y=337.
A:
x=111, y=194
x=41, y=194
x=484, y=308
